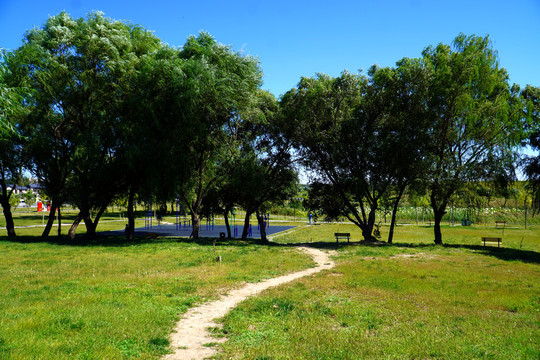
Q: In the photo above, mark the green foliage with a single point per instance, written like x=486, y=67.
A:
x=76, y=69
x=107, y=110
x=11, y=141
x=14, y=200
x=29, y=198
x=471, y=117
x=10, y=103
x=531, y=96
x=347, y=130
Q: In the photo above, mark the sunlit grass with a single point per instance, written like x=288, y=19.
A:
x=116, y=301
x=412, y=300
x=111, y=299
x=394, y=308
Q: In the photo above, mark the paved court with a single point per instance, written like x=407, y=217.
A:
x=204, y=230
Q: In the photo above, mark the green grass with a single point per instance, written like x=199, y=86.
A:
x=513, y=237
x=443, y=304
x=112, y=300
x=413, y=300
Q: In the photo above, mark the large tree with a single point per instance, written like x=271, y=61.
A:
x=75, y=67
x=315, y=114
x=531, y=97
x=219, y=86
x=403, y=88
x=357, y=134
x=264, y=172
x=261, y=181
x=471, y=120
x=153, y=128
x=11, y=160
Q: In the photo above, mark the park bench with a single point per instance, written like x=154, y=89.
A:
x=486, y=239
x=500, y=223
x=342, y=236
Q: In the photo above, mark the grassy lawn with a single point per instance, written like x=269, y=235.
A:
x=412, y=300
x=114, y=300
x=111, y=300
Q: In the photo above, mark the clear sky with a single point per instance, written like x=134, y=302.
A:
x=300, y=38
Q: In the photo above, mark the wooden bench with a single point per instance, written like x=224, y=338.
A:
x=342, y=236
x=486, y=239
x=500, y=224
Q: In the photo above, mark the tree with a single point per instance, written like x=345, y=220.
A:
x=323, y=201
x=219, y=86
x=11, y=159
x=471, y=120
x=75, y=67
x=318, y=116
x=264, y=174
x=347, y=131
x=29, y=198
x=260, y=180
x=152, y=128
x=404, y=88
x=531, y=97
x=259, y=171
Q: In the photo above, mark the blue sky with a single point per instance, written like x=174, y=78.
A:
x=300, y=38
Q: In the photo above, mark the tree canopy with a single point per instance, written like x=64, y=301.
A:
x=472, y=124
x=531, y=97
x=99, y=109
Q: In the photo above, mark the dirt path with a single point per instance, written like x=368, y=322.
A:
x=190, y=333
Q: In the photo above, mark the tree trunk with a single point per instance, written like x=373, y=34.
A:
x=196, y=223
x=437, y=228
x=4, y=201
x=394, y=213
x=245, y=231
x=59, y=222
x=367, y=230
x=90, y=226
x=130, y=230
x=50, y=220
x=227, y=225
x=73, y=228
x=262, y=226
x=98, y=215
x=10, y=224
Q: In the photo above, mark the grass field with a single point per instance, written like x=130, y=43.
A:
x=111, y=300
x=411, y=300
x=108, y=299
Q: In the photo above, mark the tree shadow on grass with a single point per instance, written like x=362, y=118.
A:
x=121, y=241
x=33, y=216
x=502, y=253
x=507, y=254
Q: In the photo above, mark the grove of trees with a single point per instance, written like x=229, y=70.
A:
x=99, y=110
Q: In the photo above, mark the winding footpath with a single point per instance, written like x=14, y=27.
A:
x=190, y=334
